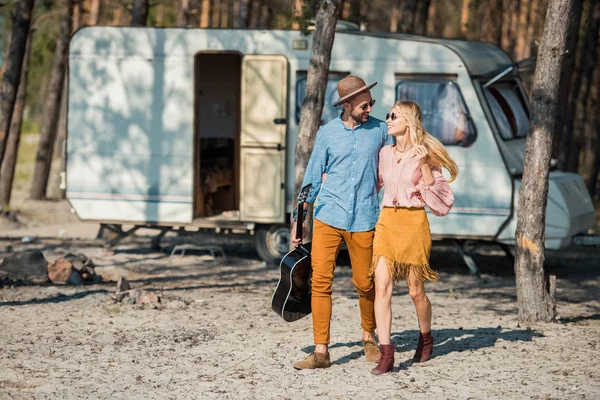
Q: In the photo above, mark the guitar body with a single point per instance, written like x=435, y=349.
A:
x=292, y=297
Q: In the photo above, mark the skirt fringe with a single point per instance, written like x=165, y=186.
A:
x=400, y=270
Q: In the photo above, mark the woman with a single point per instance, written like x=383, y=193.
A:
x=411, y=172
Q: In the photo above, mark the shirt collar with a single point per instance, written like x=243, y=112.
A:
x=350, y=129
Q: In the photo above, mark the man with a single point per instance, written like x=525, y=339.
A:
x=347, y=149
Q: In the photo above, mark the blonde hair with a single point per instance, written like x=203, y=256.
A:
x=418, y=136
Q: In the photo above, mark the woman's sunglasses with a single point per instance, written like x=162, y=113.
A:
x=370, y=103
x=391, y=116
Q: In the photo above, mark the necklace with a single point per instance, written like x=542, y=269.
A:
x=401, y=152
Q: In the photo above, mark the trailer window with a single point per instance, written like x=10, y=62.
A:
x=508, y=108
x=443, y=109
x=331, y=96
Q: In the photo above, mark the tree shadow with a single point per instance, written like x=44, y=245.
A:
x=449, y=341
x=58, y=298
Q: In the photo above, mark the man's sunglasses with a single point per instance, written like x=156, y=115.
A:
x=391, y=116
x=370, y=103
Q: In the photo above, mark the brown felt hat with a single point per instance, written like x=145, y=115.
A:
x=351, y=86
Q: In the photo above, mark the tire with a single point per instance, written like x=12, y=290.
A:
x=272, y=242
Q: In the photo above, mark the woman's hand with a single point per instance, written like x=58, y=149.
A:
x=421, y=153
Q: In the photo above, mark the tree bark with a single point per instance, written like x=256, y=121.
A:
x=407, y=16
x=216, y=10
x=52, y=107
x=183, y=18
x=521, y=33
x=297, y=13
x=432, y=19
x=12, y=73
x=464, y=18
x=244, y=13
x=139, y=12
x=266, y=17
x=421, y=15
x=394, y=18
x=312, y=107
x=224, y=11
x=58, y=164
x=9, y=164
x=493, y=23
x=94, y=12
x=533, y=14
x=535, y=301
x=354, y=15
x=566, y=145
x=204, y=14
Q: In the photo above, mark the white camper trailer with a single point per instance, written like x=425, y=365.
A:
x=196, y=128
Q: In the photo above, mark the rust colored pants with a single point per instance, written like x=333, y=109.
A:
x=325, y=247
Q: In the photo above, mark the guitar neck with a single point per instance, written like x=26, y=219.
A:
x=300, y=220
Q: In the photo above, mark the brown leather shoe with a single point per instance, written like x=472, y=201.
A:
x=314, y=360
x=386, y=364
x=372, y=353
x=424, y=348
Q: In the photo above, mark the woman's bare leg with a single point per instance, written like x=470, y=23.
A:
x=416, y=290
x=384, y=287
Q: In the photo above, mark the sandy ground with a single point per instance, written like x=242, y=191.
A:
x=216, y=336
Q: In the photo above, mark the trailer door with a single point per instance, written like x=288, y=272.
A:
x=263, y=132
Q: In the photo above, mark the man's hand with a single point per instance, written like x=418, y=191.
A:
x=295, y=241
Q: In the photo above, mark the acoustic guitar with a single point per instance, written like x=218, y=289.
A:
x=292, y=296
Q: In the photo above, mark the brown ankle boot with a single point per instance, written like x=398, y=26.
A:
x=314, y=360
x=386, y=363
x=424, y=348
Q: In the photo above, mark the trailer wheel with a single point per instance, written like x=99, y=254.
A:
x=272, y=242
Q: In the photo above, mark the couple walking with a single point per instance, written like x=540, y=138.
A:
x=359, y=156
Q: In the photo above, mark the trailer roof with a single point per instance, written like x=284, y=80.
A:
x=480, y=58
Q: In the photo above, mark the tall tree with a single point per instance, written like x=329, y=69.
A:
x=48, y=128
x=533, y=14
x=464, y=18
x=521, y=33
x=94, y=12
x=297, y=12
x=139, y=12
x=354, y=14
x=183, y=17
x=12, y=72
x=407, y=16
x=9, y=164
x=535, y=292
x=58, y=164
x=204, y=14
x=493, y=22
x=318, y=71
x=421, y=15
x=564, y=145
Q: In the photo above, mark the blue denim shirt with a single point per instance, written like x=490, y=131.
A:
x=350, y=157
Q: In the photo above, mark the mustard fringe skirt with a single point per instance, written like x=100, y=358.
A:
x=403, y=238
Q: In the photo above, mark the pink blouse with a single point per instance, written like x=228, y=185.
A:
x=403, y=181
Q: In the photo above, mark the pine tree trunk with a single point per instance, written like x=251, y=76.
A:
x=533, y=13
x=266, y=17
x=58, y=164
x=204, y=14
x=224, y=23
x=513, y=11
x=394, y=19
x=318, y=71
x=593, y=181
x=464, y=18
x=117, y=16
x=216, y=10
x=12, y=74
x=566, y=146
x=52, y=106
x=407, y=16
x=94, y=12
x=183, y=18
x=535, y=300
x=521, y=34
x=254, y=13
x=9, y=164
x=298, y=6
x=354, y=15
x=432, y=19
x=139, y=12
x=493, y=22
x=420, y=26
x=244, y=12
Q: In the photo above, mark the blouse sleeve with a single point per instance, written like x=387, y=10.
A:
x=438, y=196
x=379, y=176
